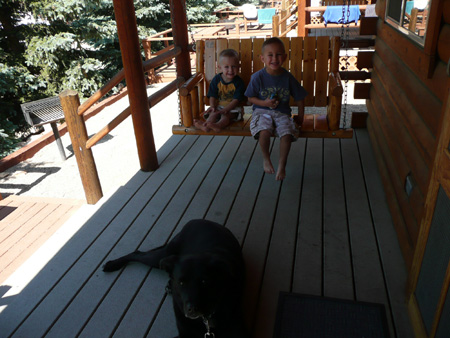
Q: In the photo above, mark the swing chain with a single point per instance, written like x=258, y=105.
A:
x=345, y=36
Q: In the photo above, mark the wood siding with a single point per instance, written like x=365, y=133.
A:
x=405, y=110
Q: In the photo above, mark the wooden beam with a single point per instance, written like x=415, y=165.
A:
x=137, y=92
x=359, y=119
x=364, y=59
x=180, y=37
x=362, y=91
x=78, y=135
x=368, y=26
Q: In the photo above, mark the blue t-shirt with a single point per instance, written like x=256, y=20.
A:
x=262, y=85
x=226, y=92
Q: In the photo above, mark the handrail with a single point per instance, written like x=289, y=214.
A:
x=304, y=15
x=147, y=65
x=288, y=29
x=167, y=31
x=323, y=8
x=288, y=16
x=153, y=99
x=190, y=84
x=160, y=59
x=115, y=80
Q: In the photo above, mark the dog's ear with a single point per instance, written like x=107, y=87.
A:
x=168, y=263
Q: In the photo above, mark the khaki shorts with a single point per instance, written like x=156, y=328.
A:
x=272, y=120
x=235, y=114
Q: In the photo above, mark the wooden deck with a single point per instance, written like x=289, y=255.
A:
x=26, y=223
x=326, y=230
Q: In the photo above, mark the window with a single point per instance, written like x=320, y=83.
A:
x=410, y=17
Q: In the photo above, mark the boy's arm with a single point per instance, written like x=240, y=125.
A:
x=230, y=106
x=271, y=103
x=301, y=110
x=212, y=105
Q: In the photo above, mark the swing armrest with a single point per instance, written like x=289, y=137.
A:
x=186, y=88
x=335, y=84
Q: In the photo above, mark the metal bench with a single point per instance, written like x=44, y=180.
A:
x=40, y=112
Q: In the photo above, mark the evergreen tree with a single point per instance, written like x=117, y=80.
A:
x=47, y=46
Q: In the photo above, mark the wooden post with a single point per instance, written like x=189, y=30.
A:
x=200, y=68
x=134, y=75
x=283, y=24
x=275, y=25
x=301, y=31
x=151, y=76
x=78, y=135
x=180, y=37
x=186, y=111
x=335, y=104
x=195, y=103
x=166, y=44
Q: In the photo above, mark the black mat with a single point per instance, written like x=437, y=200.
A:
x=318, y=317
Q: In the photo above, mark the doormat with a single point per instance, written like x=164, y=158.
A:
x=301, y=316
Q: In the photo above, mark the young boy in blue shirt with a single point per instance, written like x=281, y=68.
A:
x=269, y=91
x=225, y=92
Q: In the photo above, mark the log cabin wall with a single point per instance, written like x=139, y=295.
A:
x=405, y=107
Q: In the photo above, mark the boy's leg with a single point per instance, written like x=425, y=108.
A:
x=285, y=129
x=285, y=147
x=224, y=121
x=204, y=125
x=264, y=143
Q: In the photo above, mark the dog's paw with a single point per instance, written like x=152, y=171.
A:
x=111, y=266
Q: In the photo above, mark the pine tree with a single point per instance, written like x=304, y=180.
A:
x=47, y=46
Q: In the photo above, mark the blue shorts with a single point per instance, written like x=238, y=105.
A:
x=277, y=123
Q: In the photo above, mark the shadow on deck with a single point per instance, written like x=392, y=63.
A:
x=326, y=230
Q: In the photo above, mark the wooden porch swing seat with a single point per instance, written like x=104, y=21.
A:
x=314, y=61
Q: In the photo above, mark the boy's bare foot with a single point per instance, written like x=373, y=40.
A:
x=281, y=174
x=268, y=167
x=214, y=126
x=201, y=125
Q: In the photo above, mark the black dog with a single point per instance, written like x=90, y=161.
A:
x=206, y=271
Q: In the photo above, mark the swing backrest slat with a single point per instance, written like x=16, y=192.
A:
x=310, y=60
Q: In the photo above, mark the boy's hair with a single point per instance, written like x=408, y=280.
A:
x=231, y=53
x=272, y=41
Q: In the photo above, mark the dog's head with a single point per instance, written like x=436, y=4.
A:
x=198, y=281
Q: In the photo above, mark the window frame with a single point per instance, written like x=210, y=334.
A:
x=399, y=24
x=425, y=52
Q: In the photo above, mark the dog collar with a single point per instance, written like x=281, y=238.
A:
x=208, y=333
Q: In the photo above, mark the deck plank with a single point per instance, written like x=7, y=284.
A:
x=394, y=269
x=36, y=304
x=338, y=274
x=257, y=239
x=325, y=230
x=204, y=183
x=368, y=275
x=166, y=223
x=308, y=261
x=88, y=298
x=280, y=258
x=33, y=239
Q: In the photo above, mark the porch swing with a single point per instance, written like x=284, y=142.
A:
x=314, y=60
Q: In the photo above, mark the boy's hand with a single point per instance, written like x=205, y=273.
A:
x=271, y=103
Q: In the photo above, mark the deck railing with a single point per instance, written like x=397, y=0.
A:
x=305, y=9
x=73, y=112
x=280, y=28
